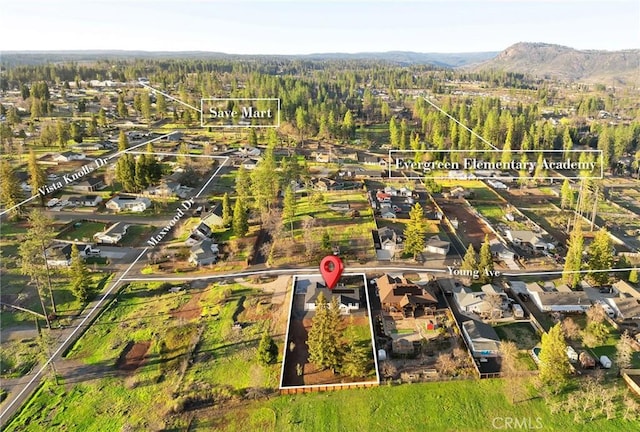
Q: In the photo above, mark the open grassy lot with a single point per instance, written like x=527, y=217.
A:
x=461, y=406
x=188, y=354
x=315, y=217
x=83, y=231
x=521, y=333
x=481, y=192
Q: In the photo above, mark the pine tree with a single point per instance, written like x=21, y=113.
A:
x=486, y=262
x=554, y=363
x=10, y=192
x=78, y=275
x=37, y=178
x=414, y=232
x=125, y=172
x=267, y=350
x=243, y=184
x=469, y=261
x=253, y=137
x=289, y=206
x=265, y=183
x=348, y=125
x=567, y=196
x=161, y=105
x=573, y=260
x=323, y=339
x=122, y=107
x=123, y=141
x=633, y=276
x=356, y=358
x=226, y=210
x=600, y=256
x=240, y=222
x=145, y=105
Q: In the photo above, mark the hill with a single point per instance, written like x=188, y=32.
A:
x=402, y=58
x=556, y=61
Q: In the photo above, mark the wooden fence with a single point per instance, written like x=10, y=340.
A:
x=326, y=388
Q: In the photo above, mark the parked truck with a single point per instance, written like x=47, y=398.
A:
x=572, y=354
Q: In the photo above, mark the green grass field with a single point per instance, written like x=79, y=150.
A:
x=461, y=406
x=84, y=231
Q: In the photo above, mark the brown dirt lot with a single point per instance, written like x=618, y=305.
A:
x=470, y=229
x=133, y=356
x=189, y=310
x=312, y=375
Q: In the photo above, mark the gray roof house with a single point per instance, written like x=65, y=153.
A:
x=482, y=338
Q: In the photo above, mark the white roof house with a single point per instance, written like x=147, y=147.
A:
x=128, y=203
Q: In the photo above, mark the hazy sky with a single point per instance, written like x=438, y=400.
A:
x=302, y=27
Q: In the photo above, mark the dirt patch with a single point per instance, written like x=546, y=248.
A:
x=133, y=356
x=312, y=375
x=191, y=309
x=470, y=227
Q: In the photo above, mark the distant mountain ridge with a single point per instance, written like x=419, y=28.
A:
x=549, y=60
x=403, y=58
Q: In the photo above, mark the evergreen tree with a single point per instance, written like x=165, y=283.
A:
x=567, y=196
x=78, y=275
x=226, y=210
x=267, y=350
x=348, y=125
x=323, y=339
x=573, y=260
x=567, y=143
x=394, y=134
x=633, y=276
x=240, y=221
x=37, y=178
x=145, y=105
x=356, y=358
x=600, y=256
x=414, y=232
x=161, y=105
x=243, y=184
x=121, y=107
x=125, y=172
x=10, y=192
x=486, y=261
x=253, y=137
x=102, y=119
x=469, y=261
x=554, y=363
x=123, y=141
x=64, y=133
x=264, y=182
x=289, y=209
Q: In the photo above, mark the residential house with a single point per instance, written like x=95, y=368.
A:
x=348, y=298
x=68, y=156
x=482, y=339
x=250, y=163
x=383, y=196
x=459, y=192
x=89, y=184
x=128, y=203
x=436, y=246
x=500, y=251
x=58, y=255
x=84, y=200
x=204, y=253
x=527, y=239
x=166, y=188
x=399, y=295
x=213, y=219
x=474, y=302
x=368, y=159
x=387, y=243
x=89, y=146
x=627, y=309
x=387, y=213
x=554, y=301
x=249, y=152
x=113, y=234
x=626, y=289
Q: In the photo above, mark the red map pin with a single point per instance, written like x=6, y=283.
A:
x=331, y=268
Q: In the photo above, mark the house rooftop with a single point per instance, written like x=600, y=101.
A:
x=564, y=298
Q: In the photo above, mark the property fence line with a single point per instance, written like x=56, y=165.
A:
x=326, y=388
x=627, y=374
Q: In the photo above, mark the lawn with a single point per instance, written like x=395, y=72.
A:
x=521, y=333
x=461, y=406
x=83, y=231
x=481, y=192
x=494, y=213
